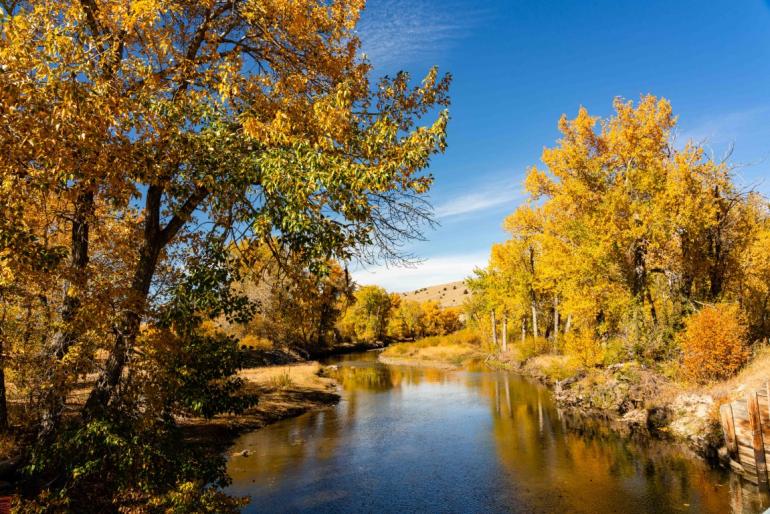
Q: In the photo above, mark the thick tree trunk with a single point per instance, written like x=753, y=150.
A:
x=494, y=329
x=79, y=258
x=127, y=328
x=505, y=333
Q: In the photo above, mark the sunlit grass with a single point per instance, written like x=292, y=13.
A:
x=453, y=348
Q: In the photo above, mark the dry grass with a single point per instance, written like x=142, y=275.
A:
x=752, y=377
x=452, y=294
x=552, y=367
x=453, y=349
x=303, y=376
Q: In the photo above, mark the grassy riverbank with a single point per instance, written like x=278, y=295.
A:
x=450, y=351
x=284, y=391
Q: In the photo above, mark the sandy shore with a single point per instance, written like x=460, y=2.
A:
x=284, y=392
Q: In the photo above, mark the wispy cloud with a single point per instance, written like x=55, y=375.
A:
x=434, y=270
x=404, y=31
x=725, y=127
x=483, y=199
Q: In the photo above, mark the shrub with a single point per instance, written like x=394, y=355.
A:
x=553, y=367
x=528, y=348
x=714, y=343
x=254, y=342
x=281, y=381
x=584, y=348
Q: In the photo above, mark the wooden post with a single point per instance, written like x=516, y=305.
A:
x=755, y=421
x=505, y=333
x=494, y=329
x=728, y=427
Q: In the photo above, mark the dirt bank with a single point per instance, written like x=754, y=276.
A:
x=284, y=392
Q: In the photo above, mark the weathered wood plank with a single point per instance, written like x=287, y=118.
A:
x=757, y=442
x=728, y=427
x=746, y=457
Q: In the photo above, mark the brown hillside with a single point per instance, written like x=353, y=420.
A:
x=452, y=294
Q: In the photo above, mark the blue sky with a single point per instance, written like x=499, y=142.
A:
x=519, y=65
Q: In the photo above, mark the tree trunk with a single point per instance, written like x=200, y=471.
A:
x=3, y=403
x=505, y=333
x=79, y=258
x=53, y=399
x=534, y=320
x=568, y=325
x=523, y=329
x=494, y=329
x=126, y=331
x=127, y=328
x=639, y=282
x=555, y=318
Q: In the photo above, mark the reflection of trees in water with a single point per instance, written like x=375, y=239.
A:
x=555, y=460
x=285, y=445
x=586, y=465
x=368, y=378
x=379, y=377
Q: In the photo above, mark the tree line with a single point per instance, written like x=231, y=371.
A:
x=626, y=237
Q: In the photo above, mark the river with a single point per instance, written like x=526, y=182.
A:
x=407, y=439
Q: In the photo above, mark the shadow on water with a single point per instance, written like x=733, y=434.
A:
x=412, y=439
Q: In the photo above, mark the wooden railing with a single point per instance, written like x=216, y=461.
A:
x=746, y=425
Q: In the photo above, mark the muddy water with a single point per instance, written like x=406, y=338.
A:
x=406, y=439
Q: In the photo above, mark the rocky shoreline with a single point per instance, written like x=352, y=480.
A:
x=638, y=399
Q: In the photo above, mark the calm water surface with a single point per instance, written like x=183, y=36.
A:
x=424, y=440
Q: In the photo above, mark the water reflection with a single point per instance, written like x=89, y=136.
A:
x=410, y=439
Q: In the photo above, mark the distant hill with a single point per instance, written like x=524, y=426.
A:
x=452, y=294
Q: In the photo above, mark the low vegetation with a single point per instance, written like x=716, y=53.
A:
x=455, y=349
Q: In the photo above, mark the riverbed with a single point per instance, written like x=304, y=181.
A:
x=410, y=439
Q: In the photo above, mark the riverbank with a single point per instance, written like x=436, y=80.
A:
x=638, y=398
x=443, y=352
x=284, y=391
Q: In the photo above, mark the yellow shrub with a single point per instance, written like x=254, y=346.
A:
x=253, y=342
x=583, y=347
x=714, y=343
x=530, y=347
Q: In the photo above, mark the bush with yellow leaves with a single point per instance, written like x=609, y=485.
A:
x=714, y=343
x=584, y=348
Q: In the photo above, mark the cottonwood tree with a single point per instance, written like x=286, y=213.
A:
x=147, y=129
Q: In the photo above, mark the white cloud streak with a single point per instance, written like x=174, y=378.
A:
x=434, y=270
x=480, y=200
x=397, y=32
x=724, y=128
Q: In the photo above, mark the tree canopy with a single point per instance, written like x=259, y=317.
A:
x=139, y=140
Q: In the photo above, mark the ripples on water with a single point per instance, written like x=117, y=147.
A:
x=407, y=439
